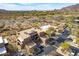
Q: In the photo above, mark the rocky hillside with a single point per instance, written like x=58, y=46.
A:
x=72, y=7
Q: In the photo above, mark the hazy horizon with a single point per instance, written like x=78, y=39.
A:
x=33, y=6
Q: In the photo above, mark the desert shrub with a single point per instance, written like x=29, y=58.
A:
x=49, y=31
x=12, y=48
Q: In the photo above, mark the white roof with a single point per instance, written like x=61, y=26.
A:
x=72, y=36
x=21, y=39
x=72, y=54
x=5, y=41
x=2, y=50
x=1, y=40
x=44, y=28
x=76, y=20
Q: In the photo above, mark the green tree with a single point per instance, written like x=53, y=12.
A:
x=65, y=45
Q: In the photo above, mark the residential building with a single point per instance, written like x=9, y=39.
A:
x=2, y=46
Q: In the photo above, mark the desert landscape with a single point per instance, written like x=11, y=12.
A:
x=40, y=33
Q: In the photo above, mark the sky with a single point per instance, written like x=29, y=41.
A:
x=33, y=6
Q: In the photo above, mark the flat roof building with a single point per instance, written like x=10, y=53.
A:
x=2, y=45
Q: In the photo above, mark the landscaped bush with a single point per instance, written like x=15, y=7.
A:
x=49, y=31
x=65, y=45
